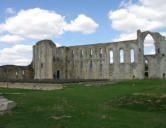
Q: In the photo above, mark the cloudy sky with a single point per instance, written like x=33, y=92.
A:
x=74, y=22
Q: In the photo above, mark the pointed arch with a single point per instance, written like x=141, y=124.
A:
x=149, y=45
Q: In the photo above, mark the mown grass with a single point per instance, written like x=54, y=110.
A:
x=128, y=104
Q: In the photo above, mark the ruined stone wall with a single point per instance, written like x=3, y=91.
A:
x=60, y=63
x=154, y=66
x=156, y=62
x=88, y=62
x=92, y=61
x=12, y=72
x=98, y=66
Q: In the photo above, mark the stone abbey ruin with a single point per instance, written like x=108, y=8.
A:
x=94, y=61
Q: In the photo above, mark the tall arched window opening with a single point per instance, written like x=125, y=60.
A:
x=132, y=59
x=149, y=46
x=72, y=53
x=91, y=52
x=101, y=52
x=81, y=52
x=121, y=56
x=111, y=57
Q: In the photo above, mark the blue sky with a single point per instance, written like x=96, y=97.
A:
x=97, y=10
x=73, y=22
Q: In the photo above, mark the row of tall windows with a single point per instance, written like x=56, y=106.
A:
x=91, y=52
x=111, y=55
x=121, y=56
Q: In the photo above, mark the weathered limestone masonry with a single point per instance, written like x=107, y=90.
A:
x=96, y=61
x=43, y=59
x=100, y=61
x=12, y=72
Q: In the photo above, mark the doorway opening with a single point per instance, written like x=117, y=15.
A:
x=146, y=74
x=58, y=74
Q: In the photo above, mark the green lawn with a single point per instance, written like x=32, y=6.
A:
x=128, y=104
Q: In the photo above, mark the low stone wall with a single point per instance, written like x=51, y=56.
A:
x=36, y=86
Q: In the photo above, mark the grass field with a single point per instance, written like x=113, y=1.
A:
x=128, y=104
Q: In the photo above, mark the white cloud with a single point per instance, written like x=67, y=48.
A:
x=11, y=38
x=126, y=36
x=10, y=11
x=83, y=24
x=40, y=24
x=18, y=55
x=142, y=16
x=35, y=23
x=156, y=4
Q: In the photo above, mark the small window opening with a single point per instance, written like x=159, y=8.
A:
x=101, y=52
x=72, y=53
x=41, y=65
x=163, y=75
x=81, y=52
x=23, y=72
x=91, y=52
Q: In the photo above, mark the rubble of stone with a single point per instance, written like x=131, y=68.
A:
x=6, y=105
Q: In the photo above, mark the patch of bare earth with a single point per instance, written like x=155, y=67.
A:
x=61, y=117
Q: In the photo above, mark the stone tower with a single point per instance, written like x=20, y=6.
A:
x=43, y=52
